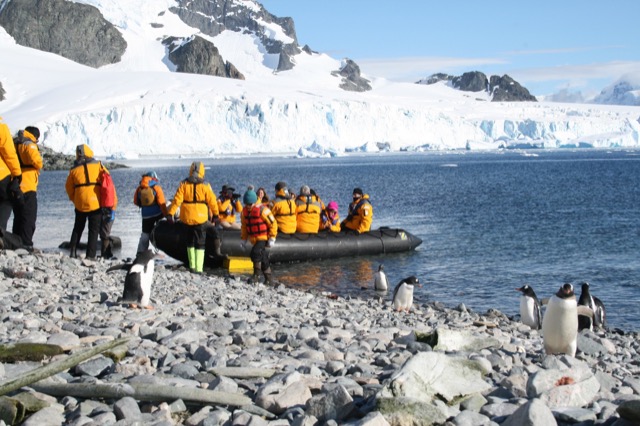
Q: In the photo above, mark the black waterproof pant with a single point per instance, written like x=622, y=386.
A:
x=95, y=220
x=198, y=236
x=5, y=202
x=25, y=213
x=260, y=255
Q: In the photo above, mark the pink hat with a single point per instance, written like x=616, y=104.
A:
x=332, y=206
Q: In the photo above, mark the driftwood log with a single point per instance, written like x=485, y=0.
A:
x=242, y=372
x=57, y=366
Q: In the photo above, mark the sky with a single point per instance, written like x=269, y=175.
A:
x=545, y=45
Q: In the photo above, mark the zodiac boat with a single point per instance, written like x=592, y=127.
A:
x=172, y=239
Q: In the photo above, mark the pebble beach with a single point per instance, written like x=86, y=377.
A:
x=219, y=351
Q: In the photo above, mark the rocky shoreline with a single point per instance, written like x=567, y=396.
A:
x=219, y=351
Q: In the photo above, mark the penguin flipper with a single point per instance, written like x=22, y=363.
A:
x=123, y=266
x=544, y=301
x=586, y=311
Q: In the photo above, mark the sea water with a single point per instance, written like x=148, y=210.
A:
x=490, y=222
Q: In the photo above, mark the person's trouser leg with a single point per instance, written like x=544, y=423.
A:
x=95, y=222
x=78, y=229
x=5, y=202
x=25, y=215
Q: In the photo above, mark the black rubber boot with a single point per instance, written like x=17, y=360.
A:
x=255, y=278
x=217, y=243
x=268, y=278
x=105, y=249
x=73, y=243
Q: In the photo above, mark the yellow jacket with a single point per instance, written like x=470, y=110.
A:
x=30, y=160
x=258, y=223
x=308, y=211
x=284, y=210
x=228, y=209
x=360, y=215
x=195, y=198
x=9, y=164
x=326, y=224
x=82, y=184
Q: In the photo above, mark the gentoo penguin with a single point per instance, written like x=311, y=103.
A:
x=530, y=310
x=596, y=305
x=560, y=322
x=137, y=283
x=380, y=282
x=403, y=294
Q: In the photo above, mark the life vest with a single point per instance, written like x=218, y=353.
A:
x=147, y=196
x=256, y=226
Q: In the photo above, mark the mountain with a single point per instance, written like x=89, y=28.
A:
x=212, y=77
x=623, y=92
x=499, y=89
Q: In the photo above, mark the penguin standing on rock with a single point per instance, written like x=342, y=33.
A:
x=596, y=305
x=403, y=294
x=380, y=282
x=137, y=283
x=530, y=308
x=560, y=322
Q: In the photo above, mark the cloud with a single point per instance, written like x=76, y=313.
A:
x=562, y=51
x=411, y=69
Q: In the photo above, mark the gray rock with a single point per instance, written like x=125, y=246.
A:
x=630, y=410
x=574, y=415
x=533, y=413
x=96, y=367
x=575, y=387
x=471, y=418
x=127, y=408
x=334, y=403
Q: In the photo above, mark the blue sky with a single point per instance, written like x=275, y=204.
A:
x=545, y=45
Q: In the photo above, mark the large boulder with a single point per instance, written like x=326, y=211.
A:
x=75, y=31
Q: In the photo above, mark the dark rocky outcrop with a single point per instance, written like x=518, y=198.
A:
x=2, y=92
x=52, y=160
x=73, y=30
x=506, y=89
x=474, y=81
x=502, y=89
x=200, y=56
x=214, y=16
x=351, y=79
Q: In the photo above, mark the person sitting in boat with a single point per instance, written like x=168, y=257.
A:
x=308, y=211
x=284, y=209
x=198, y=208
x=228, y=205
x=329, y=218
x=262, y=196
x=260, y=228
x=360, y=214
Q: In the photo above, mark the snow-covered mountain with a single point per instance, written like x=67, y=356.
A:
x=140, y=106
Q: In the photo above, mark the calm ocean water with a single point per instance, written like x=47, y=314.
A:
x=490, y=222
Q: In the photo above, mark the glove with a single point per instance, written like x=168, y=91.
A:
x=271, y=242
x=108, y=215
x=170, y=219
x=14, y=188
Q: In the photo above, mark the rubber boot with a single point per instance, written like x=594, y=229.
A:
x=255, y=278
x=199, y=261
x=143, y=244
x=191, y=255
x=73, y=243
x=217, y=243
x=268, y=278
x=105, y=249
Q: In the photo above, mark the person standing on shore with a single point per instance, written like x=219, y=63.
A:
x=360, y=214
x=25, y=208
x=260, y=228
x=153, y=206
x=199, y=209
x=10, y=175
x=83, y=189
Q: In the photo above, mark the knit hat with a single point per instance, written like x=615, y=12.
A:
x=249, y=197
x=332, y=206
x=304, y=190
x=34, y=131
x=358, y=191
x=150, y=174
x=280, y=185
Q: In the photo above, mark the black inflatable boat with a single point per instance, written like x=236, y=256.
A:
x=171, y=238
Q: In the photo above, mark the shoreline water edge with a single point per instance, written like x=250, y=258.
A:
x=219, y=351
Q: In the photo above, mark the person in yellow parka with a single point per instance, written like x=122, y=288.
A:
x=284, y=209
x=308, y=210
x=83, y=189
x=198, y=208
x=260, y=227
x=360, y=214
x=25, y=210
x=10, y=174
x=229, y=204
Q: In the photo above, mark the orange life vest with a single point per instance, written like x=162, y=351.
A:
x=256, y=226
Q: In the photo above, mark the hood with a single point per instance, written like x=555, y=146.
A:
x=196, y=171
x=148, y=181
x=84, y=151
